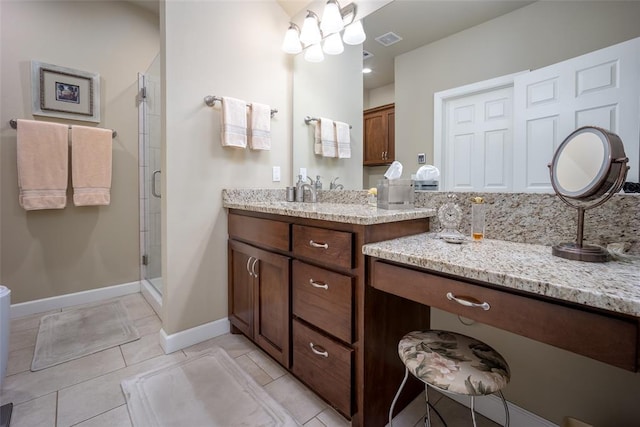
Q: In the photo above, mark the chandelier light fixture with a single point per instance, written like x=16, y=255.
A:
x=320, y=36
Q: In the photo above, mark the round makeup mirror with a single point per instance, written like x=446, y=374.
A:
x=587, y=169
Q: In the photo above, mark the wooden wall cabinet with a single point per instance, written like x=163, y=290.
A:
x=379, y=135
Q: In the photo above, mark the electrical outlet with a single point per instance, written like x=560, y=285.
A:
x=276, y=174
x=422, y=158
x=303, y=172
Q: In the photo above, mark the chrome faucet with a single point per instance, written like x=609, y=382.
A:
x=312, y=190
x=334, y=186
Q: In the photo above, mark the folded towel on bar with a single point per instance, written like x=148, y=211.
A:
x=343, y=138
x=317, y=139
x=43, y=164
x=328, y=138
x=260, y=127
x=234, y=122
x=91, y=165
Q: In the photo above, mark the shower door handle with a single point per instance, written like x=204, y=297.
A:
x=153, y=184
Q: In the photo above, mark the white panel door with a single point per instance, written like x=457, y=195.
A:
x=553, y=101
x=478, y=141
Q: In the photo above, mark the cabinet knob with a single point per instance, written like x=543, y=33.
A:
x=320, y=352
x=318, y=245
x=318, y=284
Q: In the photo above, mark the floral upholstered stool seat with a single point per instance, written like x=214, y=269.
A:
x=454, y=363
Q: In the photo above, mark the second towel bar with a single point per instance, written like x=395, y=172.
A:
x=309, y=119
x=14, y=124
x=211, y=100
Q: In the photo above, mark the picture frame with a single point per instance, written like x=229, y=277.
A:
x=65, y=93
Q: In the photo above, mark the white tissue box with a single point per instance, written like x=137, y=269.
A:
x=395, y=193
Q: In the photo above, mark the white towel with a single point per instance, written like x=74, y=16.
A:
x=91, y=161
x=343, y=138
x=234, y=122
x=317, y=140
x=43, y=164
x=328, y=138
x=260, y=127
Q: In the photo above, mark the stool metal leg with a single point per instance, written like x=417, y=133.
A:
x=506, y=408
x=395, y=399
x=473, y=412
x=427, y=419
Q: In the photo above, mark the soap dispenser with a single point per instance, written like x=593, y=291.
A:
x=318, y=184
x=299, y=189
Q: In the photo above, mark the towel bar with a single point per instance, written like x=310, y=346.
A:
x=14, y=124
x=309, y=119
x=211, y=100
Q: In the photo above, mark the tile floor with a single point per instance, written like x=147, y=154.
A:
x=86, y=392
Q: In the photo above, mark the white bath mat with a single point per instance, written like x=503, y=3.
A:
x=208, y=390
x=76, y=333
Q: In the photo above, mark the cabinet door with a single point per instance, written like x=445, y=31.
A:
x=379, y=135
x=241, y=286
x=272, y=316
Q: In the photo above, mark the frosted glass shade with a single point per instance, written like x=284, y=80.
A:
x=331, y=18
x=291, y=43
x=310, y=33
x=314, y=53
x=354, y=34
x=333, y=45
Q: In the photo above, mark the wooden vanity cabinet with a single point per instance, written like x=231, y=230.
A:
x=317, y=330
x=379, y=135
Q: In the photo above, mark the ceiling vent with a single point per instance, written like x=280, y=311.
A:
x=388, y=39
x=366, y=54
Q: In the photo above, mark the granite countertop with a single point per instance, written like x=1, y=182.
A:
x=613, y=286
x=337, y=212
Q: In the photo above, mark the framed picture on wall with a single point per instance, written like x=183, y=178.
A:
x=64, y=92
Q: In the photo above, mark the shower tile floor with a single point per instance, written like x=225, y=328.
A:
x=86, y=392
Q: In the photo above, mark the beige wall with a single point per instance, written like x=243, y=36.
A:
x=55, y=252
x=535, y=36
x=214, y=48
x=546, y=381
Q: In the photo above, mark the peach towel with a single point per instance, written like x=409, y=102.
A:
x=43, y=164
x=91, y=165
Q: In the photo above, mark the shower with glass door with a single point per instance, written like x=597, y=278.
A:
x=149, y=119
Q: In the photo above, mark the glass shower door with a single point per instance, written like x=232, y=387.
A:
x=150, y=139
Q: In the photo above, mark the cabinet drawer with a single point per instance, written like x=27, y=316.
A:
x=263, y=232
x=603, y=337
x=324, y=365
x=325, y=246
x=323, y=298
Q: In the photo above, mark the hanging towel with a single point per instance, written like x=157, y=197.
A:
x=43, y=164
x=260, y=127
x=343, y=137
x=91, y=165
x=317, y=139
x=234, y=122
x=328, y=138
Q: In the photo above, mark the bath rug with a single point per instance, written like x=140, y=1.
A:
x=76, y=333
x=207, y=390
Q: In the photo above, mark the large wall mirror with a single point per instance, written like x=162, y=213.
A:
x=530, y=36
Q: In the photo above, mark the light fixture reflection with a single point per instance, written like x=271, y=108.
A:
x=331, y=18
x=291, y=43
x=314, y=53
x=333, y=45
x=366, y=70
x=354, y=34
x=310, y=33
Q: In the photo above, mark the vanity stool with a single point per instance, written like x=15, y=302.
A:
x=454, y=363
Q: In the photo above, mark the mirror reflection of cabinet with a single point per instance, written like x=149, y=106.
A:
x=379, y=135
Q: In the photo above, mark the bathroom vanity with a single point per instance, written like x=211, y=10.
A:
x=328, y=289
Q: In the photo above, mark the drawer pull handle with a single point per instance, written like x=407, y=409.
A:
x=319, y=284
x=249, y=261
x=467, y=303
x=322, y=352
x=253, y=268
x=318, y=245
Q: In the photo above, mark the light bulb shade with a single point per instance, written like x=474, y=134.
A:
x=331, y=18
x=314, y=53
x=354, y=34
x=291, y=43
x=310, y=33
x=333, y=45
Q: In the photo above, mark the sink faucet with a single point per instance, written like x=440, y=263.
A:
x=334, y=186
x=312, y=190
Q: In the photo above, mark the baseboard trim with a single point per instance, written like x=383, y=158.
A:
x=152, y=296
x=189, y=337
x=492, y=408
x=68, y=300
